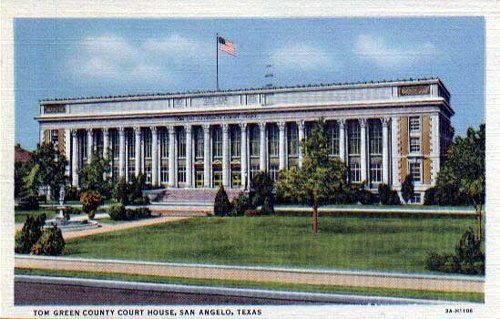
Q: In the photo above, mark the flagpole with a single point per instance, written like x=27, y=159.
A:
x=217, y=59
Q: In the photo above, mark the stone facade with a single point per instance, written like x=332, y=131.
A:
x=382, y=131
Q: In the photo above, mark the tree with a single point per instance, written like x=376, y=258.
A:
x=407, y=188
x=261, y=187
x=463, y=171
x=51, y=167
x=318, y=178
x=222, y=206
x=90, y=202
x=121, y=190
x=93, y=175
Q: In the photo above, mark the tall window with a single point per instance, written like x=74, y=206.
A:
x=181, y=139
x=355, y=170
x=414, y=144
x=235, y=142
x=130, y=140
x=414, y=124
x=375, y=150
x=354, y=137
x=254, y=140
x=147, y=143
x=181, y=173
x=273, y=132
x=217, y=142
x=416, y=171
x=333, y=138
x=199, y=142
x=293, y=139
x=163, y=135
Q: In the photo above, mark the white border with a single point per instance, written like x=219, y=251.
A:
x=260, y=8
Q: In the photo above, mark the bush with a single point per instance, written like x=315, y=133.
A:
x=29, y=234
x=365, y=197
x=252, y=212
x=240, y=204
x=71, y=210
x=384, y=193
x=267, y=207
x=71, y=193
x=222, y=206
x=468, y=258
x=394, y=198
x=51, y=242
x=121, y=190
x=29, y=203
x=407, y=189
x=261, y=186
x=430, y=196
x=117, y=212
x=90, y=201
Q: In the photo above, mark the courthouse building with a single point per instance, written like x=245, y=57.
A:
x=382, y=130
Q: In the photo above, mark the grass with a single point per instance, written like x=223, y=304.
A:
x=384, y=244
x=405, y=293
x=20, y=215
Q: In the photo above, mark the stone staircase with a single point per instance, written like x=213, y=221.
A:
x=187, y=202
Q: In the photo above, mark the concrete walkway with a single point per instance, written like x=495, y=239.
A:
x=262, y=274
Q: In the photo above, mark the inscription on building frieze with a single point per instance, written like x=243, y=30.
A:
x=58, y=108
x=414, y=90
x=204, y=118
x=214, y=100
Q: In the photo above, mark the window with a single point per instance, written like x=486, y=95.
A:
x=199, y=143
x=181, y=173
x=375, y=137
x=293, y=139
x=273, y=132
x=414, y=124
x=416, y=198
x=217, y=178
x=254, y=169
x=147, y=173
x=273, y=170
x=130, y=172
x=355, y=170
x=415, y=171
x=235, y=179
x=376, y=170
x=254, y=140
x=414, y=144
x=333, y=139
x=147, y=143
x=354, y=137
x=217, y=142
x=199, y=176
x=181, y=147
x=130, y=144
x=235, y=142
x=163, y=143
x=164, y=173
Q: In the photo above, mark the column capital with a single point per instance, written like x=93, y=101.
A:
x=262, y=125
x=225, y=128
x=281, y=125
x=74, y=132
x=243, y=126
x=105, y=130
x=153, y=129
x=137, y=130
x=188, y=128
x=385, y=121
x=120, y=129
x=89, y=130
x=206, y=128
x=341, y=122
x=362, y=122
x=301, y=124
x=171, y=129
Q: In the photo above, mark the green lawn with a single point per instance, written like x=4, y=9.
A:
x=406, y=293
x=389, y=244
x=20, y=215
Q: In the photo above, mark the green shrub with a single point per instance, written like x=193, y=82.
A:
x=407, y=189
x=29, y=202
x=240, y=204
x=121, y=190
x=261, y=186
x=51, y=242
x=222, y=206
x=117, y=212
x=468, y=258
x=384, y=193
x=365, y=197
x=143, y=212
x=267, y=207
x=90, y=202
x=29, y=234
x=394, y=198
x=71, y=193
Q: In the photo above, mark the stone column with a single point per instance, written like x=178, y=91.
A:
x=90, y=145
x=154, y=156
x=263, y=146
x=385, y=151
x=301, y=127
x=342, y=139
x=121, y=159
x=67, y=150
x=171, y=156
x=282, y=145
x=395, y=151
x=225, y=155
x=189, y=155
x=74, y=158
x=362, y=124
x=105, y=142
x=243, y=155
x=206, y=155
x=137, y=144
x=435, y=147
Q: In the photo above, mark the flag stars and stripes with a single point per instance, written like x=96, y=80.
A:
x=226, y=46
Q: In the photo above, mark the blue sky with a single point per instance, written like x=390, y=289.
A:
x=94, y=57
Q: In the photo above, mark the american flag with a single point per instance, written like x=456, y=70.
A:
x=226, y=46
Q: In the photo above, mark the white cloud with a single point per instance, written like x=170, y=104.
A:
x=384, y=53
x=114, y=58
x=301, y=56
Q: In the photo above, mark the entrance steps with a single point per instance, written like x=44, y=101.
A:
x=186, y=202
